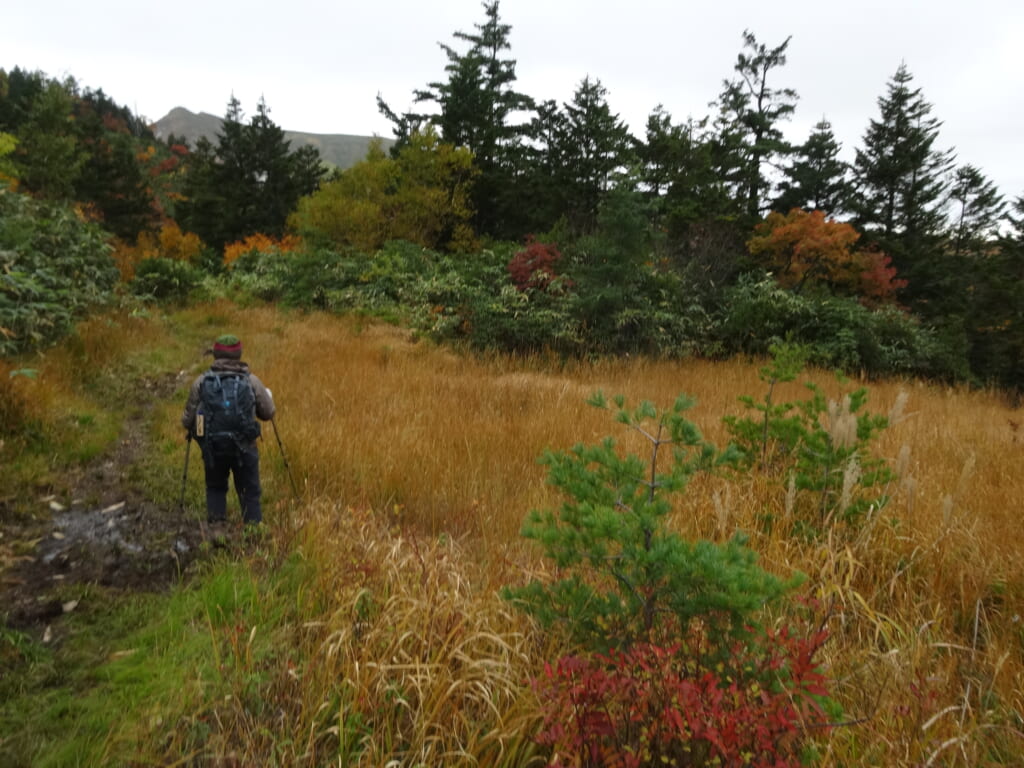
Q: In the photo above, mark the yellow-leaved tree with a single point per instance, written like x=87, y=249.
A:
x=8, y=173
x=422, y=195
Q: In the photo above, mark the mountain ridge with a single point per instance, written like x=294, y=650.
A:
x=340, y=150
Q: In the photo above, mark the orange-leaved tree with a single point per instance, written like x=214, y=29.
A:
x=170, y=242
x=259, y=243
x=806, y=248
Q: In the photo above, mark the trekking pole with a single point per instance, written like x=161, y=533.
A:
x=184, y=473
x=287, y=466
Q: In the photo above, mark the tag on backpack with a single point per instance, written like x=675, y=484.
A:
x=199, y=425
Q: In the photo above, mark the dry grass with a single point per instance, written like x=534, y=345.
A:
x=411, y=656
x=417, y=466
x=68, y=422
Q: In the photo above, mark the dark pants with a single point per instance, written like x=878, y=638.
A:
x=244, y=464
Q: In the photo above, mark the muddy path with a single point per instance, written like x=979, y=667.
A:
x=99, y=528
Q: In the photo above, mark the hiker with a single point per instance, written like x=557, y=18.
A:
x=221, y=414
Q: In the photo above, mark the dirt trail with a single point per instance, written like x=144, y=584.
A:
x=110, y=534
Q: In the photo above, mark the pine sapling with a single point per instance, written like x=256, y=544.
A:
x=623, y=576
x=818, y=448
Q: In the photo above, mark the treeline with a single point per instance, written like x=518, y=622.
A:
x=550, y=225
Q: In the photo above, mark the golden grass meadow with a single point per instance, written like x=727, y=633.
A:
x=417, y=464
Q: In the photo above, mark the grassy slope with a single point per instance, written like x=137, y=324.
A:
x=367, y=625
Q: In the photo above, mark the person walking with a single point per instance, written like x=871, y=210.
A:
x=222, y=412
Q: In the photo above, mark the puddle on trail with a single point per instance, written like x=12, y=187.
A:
x=100, y=527
x=116, y=538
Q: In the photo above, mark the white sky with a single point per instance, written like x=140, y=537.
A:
x=321, y=64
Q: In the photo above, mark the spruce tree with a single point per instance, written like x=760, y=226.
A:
x=816, y=180
x=278, y=176
x=690, y=198
x=248, y=183
x=593, y=146
x=49, y=155
x=901, y=193
x=996, y=330
x=678, y=173
x=18, y=90
x=977, y=208
x=112, y=179
x=543, y=166
x=750, y=111
x=476, y=108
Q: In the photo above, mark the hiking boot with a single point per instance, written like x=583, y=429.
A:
x=218, y=533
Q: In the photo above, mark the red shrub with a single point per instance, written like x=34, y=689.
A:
x=652, y=705
x=534, y=266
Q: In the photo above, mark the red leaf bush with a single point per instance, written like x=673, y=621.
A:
x=654, y=705
x=534, y=266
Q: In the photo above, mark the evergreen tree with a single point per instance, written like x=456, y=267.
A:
x=996, y=330
x=678, y=174
x=202, y=195
x=660, y=153
x=277, y=175
x=112, y=179
x=49, y=155
x=749, y=137
x=544, y=165
x=18, y=90
x=816, y=180
x=690, y=201
x=592, y=145
x=248, y=183
x=901, y=193
x=977, y=208
x=477, y=106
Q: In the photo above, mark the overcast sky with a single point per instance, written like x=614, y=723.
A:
x=320, y=65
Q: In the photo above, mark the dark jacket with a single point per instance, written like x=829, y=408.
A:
x=264, y=399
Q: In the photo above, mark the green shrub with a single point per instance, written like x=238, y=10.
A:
x=259, y=276
x=836, y=331
x=588, y=310
x=165, y=279
x=334, y=280
x=818, y=447
x=661, y=316
x=53, y=268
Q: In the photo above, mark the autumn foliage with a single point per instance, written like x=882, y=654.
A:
x=259, y=243
x=534, y=266
x=170, y=242
x=423, y=196
x=804, y=248
x=878, y=280
x=653, y=705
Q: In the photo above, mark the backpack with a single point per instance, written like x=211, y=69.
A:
x=228, y=405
